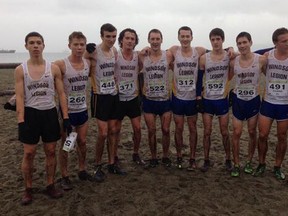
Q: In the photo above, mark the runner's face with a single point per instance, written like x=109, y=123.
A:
x=185, y=38
x=35, y=46
x=216, y=42
x=129, y=41
x=244, y=45
x=77, y=46
x=109, y=38
x=282, y=43
x=155, y=41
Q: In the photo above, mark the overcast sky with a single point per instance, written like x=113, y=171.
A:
x=56, y=19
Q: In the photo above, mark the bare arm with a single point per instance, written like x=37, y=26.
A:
x=170, y=59
x=19, y=90
x=263, y=63
x=61, y=65
x=231, y=69
x=60, y=90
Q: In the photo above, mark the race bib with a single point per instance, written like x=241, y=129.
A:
x=157, y=88
x=76, y=99
x=215, y=87
x=186, y=83
x=246, y=92
x=127, y=87
x=107, y=85
x=278, y=89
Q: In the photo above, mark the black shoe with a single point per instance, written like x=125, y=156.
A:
x=153, y=163
x=228, y=165
x=84, y=176
x=166, y=161
x=207, y=164
x=136, y=158
x=52, y=192
x=116, y=160
x=114, y=169
x=98, y=174
x=179, y=163
x=27, y=197
x=66, y=183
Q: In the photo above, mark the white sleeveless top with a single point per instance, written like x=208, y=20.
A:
x=276, y=89
x=75, y=84
x=185, y=75
x=216, y=84
x=156, y=78
x=247, y=79
x=104, y=79
x=39, y=94
x=127, y=77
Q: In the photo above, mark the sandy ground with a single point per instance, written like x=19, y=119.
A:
x=157, y=191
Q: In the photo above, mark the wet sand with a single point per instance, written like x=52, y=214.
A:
x=154, y=191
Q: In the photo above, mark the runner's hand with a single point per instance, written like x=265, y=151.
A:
x=90, y=47
x=67, y=126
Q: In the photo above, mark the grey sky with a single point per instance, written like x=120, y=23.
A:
x=56, y=19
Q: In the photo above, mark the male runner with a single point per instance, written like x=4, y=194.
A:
x=105, y=98
x=275, y=103
x=36, y=81
x=156, y=99
x=246, y=68
x=215, y=67
x=75, y=72
x=184, y=92
x=127, y=71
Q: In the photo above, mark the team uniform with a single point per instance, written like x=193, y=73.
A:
x=128, y=86
x=184, y=83
x=75, y=85
x=41, y=118
x=104, y=95
x=216, y=86
x=156, y=86
x=246, y=99
x=275, y=100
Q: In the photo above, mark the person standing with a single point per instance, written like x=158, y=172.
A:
x=184, y=93
x=156, y=99
x=246, y=68
x=127, y=71
x=36, y=81
x=275, y=103
x=214, y=66
x=104, y=98
x=75, y=73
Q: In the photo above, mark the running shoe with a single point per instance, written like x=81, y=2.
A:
x=66, y=184
x=192, y=165
x=153, y=163
x=84, y=176
x=166, y=161
x=179, y=162
x=235, y=171
x=117, y=160
x=228, y=165
x=136, y=159
x=114, y=169
x=27, y=197
x=52, y=192
x=248, y=168
x=98, y=174
x=259, y=170
x=278, y=173
x=205, y=166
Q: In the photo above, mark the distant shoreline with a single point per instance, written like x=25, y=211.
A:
x=8, y=65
